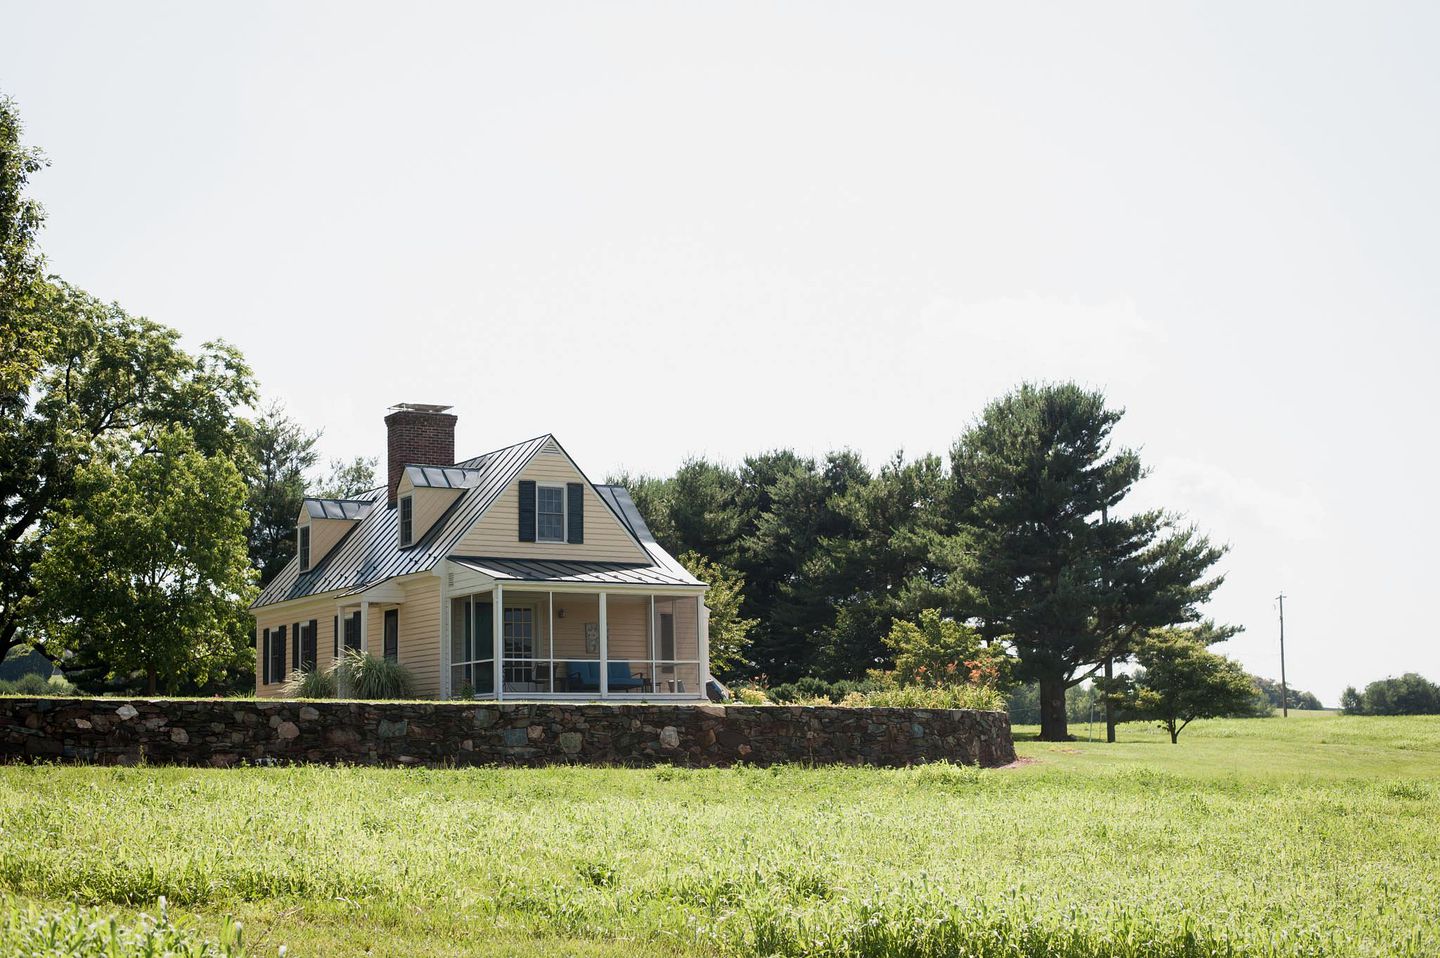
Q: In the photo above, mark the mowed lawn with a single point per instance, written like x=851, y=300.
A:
x=1309, y=836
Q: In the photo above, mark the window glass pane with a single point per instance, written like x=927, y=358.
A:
x=550, y=513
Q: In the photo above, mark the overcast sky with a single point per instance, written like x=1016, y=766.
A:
x=659, y=233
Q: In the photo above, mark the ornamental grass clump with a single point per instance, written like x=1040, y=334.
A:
x=363, y=676
x=311, y=683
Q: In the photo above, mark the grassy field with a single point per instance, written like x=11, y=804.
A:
x=1313, y=836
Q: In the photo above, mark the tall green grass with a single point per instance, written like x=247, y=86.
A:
x=1257, y=839
x=72, y=932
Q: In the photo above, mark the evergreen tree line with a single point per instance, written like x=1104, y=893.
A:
x=1022, y=529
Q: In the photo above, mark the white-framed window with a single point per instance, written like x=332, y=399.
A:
x=550, y=513
x=302, y=547
x=407, y=519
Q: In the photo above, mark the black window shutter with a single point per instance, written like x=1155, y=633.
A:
x=278, y=669
x=337, y=637
x=392, y=634
x=297, y=646
x=575, y=491
x=311, y=653
x=352, y=631
x=527, y=510
x=265, y=658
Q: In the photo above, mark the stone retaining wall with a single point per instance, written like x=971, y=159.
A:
x=221, y=732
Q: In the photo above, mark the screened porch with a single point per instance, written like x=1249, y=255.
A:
x=535, y=642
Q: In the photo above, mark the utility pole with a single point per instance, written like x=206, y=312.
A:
x=1284, y=693
x=1109, y=662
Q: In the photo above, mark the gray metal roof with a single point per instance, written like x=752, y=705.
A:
x=618, y=498
x=370, y=552
x=444, y=477
x=340, y=508
x=552, y=570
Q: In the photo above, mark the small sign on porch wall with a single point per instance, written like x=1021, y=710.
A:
x=592, y=637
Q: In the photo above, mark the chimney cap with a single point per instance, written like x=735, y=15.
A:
x=418, y=407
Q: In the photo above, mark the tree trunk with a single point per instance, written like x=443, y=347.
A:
x=1053, y=723
x=1109, y=702
x=1174, y=734
x=152, y=684
x=8, y=638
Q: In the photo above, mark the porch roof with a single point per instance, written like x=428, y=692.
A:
x=559, y=571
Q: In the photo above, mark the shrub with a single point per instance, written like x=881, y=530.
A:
x=311, y=684
x=363, y=676
x=33, y=684
x=937, y=697
x=80, y=933
x=811, y=688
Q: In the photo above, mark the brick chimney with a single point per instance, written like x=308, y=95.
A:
x=417, y=433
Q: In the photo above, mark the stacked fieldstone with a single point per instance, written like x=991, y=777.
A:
x=225, y=732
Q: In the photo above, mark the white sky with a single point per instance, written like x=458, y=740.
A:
x=657, y=232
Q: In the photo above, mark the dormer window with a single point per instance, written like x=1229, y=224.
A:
x=407, y=520
x=302, y=547
x=550, y=513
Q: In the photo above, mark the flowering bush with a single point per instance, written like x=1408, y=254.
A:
x=751, y=695
x=937, y=651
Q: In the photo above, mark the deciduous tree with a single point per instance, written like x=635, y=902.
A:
x=146, y=569
x=107, y=381
x=1180, y=680
x=348, y=478
x=729, y=630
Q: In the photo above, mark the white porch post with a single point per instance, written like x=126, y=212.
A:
x=342, y=618
x=497, y=617
x=365, y=625
x=445, y=689
x=704, y=647
x=604, y=651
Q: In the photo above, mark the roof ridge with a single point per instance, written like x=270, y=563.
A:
x=493, y=452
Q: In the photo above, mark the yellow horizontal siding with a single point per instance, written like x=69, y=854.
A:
x=626, y=634
x=497, y=532
x=287, y=614
x=419, y=646
x=324, y=535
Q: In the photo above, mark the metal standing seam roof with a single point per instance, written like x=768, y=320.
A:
x=554, y=570
x=618, y=498
x=370, y=553
x=340, y=508
x=444, y=477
